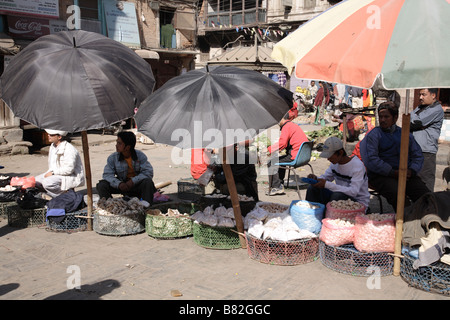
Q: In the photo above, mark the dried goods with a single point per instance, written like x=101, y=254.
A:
x=337, y=232
x=220, y=217
x=346, y=205
x=375, y=233
x=119, y=206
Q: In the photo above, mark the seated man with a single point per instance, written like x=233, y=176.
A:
x=291, y=138
x=127, y=171
x=380, y=152
x=348, y=173
x=65, y=169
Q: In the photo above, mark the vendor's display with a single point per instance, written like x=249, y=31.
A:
x=215, y=228
x=307, y=215
x=337, y=232
x=71, y=222
x=117, y=216
x=170, y=220
x=246, y=203
x=4, y=180
x=20, y=218
x=344, y=209
x=9, y=193
x=273, y=237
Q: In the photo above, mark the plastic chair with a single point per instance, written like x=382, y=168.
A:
x=301, y=159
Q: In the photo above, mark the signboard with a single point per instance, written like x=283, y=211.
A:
x=121, y=22
x=33, y=28
x=43, y=8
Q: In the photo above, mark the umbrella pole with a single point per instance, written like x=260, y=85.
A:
x=402, y=175
x=87, y=167
x=234, y=199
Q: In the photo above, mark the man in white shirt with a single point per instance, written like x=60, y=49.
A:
x=65, y=169
x=348, y=173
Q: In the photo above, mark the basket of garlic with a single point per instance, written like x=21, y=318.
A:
x=344, y=209
x=118, y=217
x=307, y=215
x=170, y=220
x=273, y=237
x=215, y=228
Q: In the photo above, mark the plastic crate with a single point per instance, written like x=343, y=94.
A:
x=189, y=189
x=346, y=259
x=20, y=218
x=286, y=253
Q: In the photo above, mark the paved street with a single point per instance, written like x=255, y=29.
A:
x=38, y=264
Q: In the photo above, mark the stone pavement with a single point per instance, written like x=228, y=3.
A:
x=37, y=264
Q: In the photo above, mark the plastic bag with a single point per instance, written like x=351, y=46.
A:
x=25, y=182
x=307, y=218
x=334, y=234
x=375, y=233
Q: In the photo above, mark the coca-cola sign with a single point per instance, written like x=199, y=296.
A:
x=28, y=28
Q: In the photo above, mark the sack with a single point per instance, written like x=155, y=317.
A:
x=306, y=217
x=24, y=182
x=337, y=232
x=375, y=233
x=333, y=213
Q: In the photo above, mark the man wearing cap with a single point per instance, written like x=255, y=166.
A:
x=348, y=173
x=65, y=169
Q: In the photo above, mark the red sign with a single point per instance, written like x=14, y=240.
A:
x=28, y=28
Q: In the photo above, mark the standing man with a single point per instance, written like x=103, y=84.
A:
x=65, y=169
x=127, y=171
x=426, y=123
x=291, y=138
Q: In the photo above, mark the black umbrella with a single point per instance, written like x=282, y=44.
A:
x=76, y=81
x=213, y=107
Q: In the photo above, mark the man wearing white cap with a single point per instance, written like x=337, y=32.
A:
x=348, y=173
x=65, y=169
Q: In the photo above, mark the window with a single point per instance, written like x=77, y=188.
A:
x=88, y=9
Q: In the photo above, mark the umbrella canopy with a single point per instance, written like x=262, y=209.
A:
x=405, y=42
x=75, y=81
x=205, y=107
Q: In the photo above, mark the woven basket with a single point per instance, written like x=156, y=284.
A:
x=286, y=253
x=346, y=259
x=215, y=237
x=71, y=222
x=119, y=225
x=20, y=218
x=434, y=278
x=164, y=227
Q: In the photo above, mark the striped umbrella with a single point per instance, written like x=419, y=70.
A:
x=405, y=42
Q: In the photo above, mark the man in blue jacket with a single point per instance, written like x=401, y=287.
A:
x=380, y=152
x=127, y=171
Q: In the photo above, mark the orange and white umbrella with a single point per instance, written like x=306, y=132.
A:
x=405, y=42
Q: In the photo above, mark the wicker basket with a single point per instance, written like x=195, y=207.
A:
x=189, y=189
x=286, y=253
x=434, y=278
x=119, y=225
x=20, y=218
x=72, y=222
x=215, y=237
x=164, y=227
x=346, y=259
